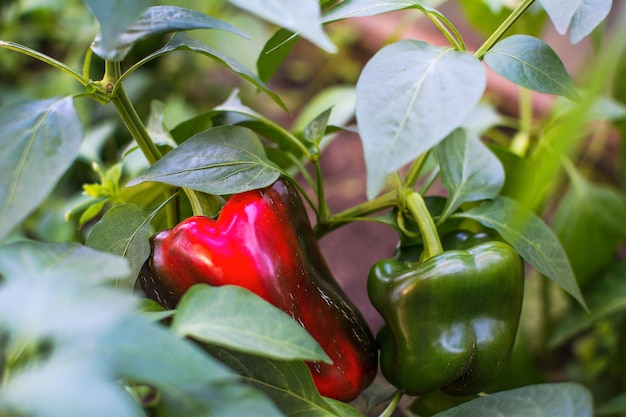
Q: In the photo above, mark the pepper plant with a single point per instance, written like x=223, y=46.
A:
x=189, y=258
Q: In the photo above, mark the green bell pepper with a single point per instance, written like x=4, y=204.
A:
x=450, y=318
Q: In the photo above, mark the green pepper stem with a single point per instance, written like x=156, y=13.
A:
x=392, y=405
x=504, y=26
x=418, y=209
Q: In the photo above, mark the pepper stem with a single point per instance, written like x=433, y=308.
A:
x=418, y=209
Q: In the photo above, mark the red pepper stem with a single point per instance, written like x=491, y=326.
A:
x=418, y=209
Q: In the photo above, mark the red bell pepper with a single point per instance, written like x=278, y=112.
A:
x=263, y=241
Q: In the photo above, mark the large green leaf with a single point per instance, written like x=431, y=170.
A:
x=531, y=63
x=590, y=222
x=155, y=20
x=302, y=17
x=288, y=383
x=39, y=140
x=555, y=400
x=235, y=318
x=222, y=160
x=182, y=41
x=410, y=96
x=531, y=237
x=579, y=16
x=469, y=171
x=274, y=53
x=123, y=230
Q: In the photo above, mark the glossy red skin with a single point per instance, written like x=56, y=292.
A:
x=263, y=241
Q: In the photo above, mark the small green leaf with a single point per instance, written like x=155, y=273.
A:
x=123, y=231
x=531, y=63
x=288, y=383
x=531, y=237
x=235, y=318
x=155, y=20
x=222, y=160
x=39, y=140
x=274, y=53
x=315, y=131
x=580, y=17
x=469, y=171
x=410, y=96
x=182, y=41
x=555, y=400
x=302, y=17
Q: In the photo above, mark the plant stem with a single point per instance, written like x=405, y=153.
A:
x=333, y=222
x=504, y=26
x=43, y=58
x=128, y=113
x=418, y=209
x=392, y=405
x=414, y=171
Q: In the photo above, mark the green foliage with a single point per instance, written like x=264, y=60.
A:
x=76, y=341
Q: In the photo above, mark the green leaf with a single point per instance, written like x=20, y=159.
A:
x=123, y=231
x=274, y=53
x=114, y=17
x=29, y=260
x=410, y=96
x=302, y=17
x=182, y=41
x=555, y=400
x=315, y=131
x=39, y=140
x=580, y=17
x=531, y=237
x=222, y=160
x=531, y=63
x=589, y=222
x=288, y=383
x=469, y=171
x=236, y=318
x=155, y=20
x=606, y=296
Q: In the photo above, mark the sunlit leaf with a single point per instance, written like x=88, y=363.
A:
x=302, y=17
x=579, y=16
x=410, y=96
